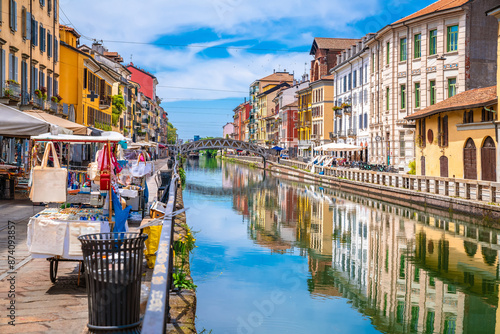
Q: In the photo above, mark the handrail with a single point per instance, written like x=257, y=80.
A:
x=157, y=309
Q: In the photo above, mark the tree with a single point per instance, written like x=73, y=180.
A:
x=171, y=134
x=212, y=152
x=118, y=105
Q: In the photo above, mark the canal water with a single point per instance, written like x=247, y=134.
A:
x=276, y=255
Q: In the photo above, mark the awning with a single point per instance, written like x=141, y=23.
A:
x=277, y=148
x=16, y=123
x=333, y=147
x=77, y=129
x=107, y=136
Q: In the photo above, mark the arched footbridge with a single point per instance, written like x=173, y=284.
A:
x=221, y=143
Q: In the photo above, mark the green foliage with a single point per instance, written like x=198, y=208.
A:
x=181, y=282
x=171, y=134
x=118, y=105
x=413, y=168
x=210, y=153
x=103, y=126
x=182, y=174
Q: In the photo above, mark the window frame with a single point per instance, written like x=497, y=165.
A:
x=451, y=38
x=403, y=56
x=403, y=96
x=452, y=87
x=432, y=92
x=417, y=46
x=432, y=42
x=388, y=53
x=417, y=94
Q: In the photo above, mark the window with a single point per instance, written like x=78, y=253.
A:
x=432, y=86
x=361, y=75
x=387, y=99
x=403, y=96
x=402, y=49
x=56, y=49
x=388, y=51
x=42, y=38
x=354, y=77
x=26, y=23
x=433, y=42
x=401, y=143
x=443, y=131
x=13, y=15
x=34, y=31
x=373, y=62
x=417, y=46
x=417, y=94
x=487, y=115
x=350, y=81
x=429, y=322
x=42, y=3
x=366, y=121
x=452, y=87
x=366, y=73
x=468, y=116
x=49, y=44
x=345, y=84
x=452, y=40
x=55, y=10
x=13, y=67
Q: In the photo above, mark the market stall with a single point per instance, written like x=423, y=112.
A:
x=53, y=233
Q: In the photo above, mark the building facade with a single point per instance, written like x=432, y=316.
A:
x=435, y=53
x=29, y=54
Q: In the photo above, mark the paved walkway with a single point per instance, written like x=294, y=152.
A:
x=40, y=306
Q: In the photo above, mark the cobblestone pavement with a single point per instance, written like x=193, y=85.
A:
x=40, y=306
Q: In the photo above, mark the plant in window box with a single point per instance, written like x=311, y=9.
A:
x=335, y=108
x=419, y=140
x=7, y=92
x=13, y=82
x=56, y=98
x=38, y=93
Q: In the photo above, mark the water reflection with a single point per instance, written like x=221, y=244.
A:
x=408, y=271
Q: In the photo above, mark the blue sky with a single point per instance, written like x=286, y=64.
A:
x=205, y=53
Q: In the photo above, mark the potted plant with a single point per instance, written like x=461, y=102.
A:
x=56, y=98
x=10, y=81
x=7, y=92
x=38, y=93
x=335, y=108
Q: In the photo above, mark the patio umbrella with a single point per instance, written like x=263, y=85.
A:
x=277, y=148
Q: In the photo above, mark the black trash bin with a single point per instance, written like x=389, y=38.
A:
x=113, y=269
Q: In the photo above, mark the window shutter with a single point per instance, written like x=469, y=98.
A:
x=440, y=134
x=28, y=25
x=445, y=131
x=23, y=22
x=424, y=139
x=49, y=6
x=40, y=32
x=15, y=15
x=55, y=10
x=84, y=78
x=36, y=78
x=49, y=86
x=56, y=87
x=49, y=45
x=16, y=65
x=56, y=50
x=32, y=74
x=366, y=120
x=2, y=83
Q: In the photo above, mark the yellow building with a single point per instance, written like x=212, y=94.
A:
x=304, y=97
x=29, y=53
x=321, y=110
x=86, y=84
x=456, y=137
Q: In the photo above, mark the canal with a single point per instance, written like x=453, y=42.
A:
x=278, y=256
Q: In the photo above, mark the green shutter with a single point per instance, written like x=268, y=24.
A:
x=388, y=50
x=417, y=95
x=417, y=46
x=402, y=49
x=433, y=42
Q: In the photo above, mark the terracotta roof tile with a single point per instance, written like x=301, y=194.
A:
x=293, y=104
x=66, y=28
x=278, y=76
x=473, y=98
x=433, y=8
x=335, y=43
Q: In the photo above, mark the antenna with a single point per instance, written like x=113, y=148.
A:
x=131, y=56
x=305, y=68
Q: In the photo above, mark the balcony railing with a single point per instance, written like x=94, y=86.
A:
x=104, y=102
x=338, y=113
x=333, y=136
x=351, y=132
x=53, y=106
x=12, y=90
x=348, y=110
x=341, y=134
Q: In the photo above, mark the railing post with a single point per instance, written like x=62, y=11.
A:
x=446, y=188
x=467, y=190
x=427, y=185
x=493, y=194
x=436, y=186
x=479, y=192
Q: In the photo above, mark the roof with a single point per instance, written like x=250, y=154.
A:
x=435, y=7
x=473, y=98
x=275, y=88
x=66, y=28
x=278, y=76
x=332, y=43
x=140, y=70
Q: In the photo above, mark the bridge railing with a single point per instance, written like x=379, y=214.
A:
x=156, y=316
x=483, y=191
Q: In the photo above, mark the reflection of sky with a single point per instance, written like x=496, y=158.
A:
x=244, y=288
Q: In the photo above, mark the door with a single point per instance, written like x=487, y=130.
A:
x=422, y=165
x=470, y=169
x=488, y=160
x=443, y=166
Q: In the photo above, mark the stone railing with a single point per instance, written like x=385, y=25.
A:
x=483, y=191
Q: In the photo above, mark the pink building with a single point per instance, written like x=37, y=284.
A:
x=228, y=131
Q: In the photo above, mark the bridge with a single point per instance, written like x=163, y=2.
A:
x=221, y=143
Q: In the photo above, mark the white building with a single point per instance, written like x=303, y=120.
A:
x=351, y=89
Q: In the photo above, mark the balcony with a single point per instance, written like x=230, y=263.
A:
x=351, y=133
x=334, y=136
x=37, y=102
x=12, y=90
x=338, y=113
x=342, y=134
x=348, y=110
x=104, y=102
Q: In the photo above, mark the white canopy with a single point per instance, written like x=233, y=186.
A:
x=77, y=129
x=16, y=123
x=332, y=147
x=106, y=136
